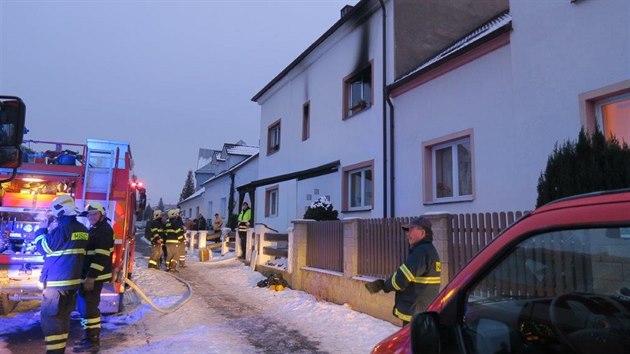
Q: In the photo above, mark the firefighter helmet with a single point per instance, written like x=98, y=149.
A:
x=63, y=205
x=172, y=213
x=157, y=214
x=95, y=206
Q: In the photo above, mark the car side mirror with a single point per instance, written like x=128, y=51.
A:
x=425, y=333
x=12, y=116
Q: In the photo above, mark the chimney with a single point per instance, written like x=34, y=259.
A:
x=346, y=9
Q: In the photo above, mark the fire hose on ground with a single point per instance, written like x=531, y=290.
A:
x=177, y=306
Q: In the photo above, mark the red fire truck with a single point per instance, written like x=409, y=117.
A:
x=101, y=171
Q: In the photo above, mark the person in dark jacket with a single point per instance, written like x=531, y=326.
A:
x=63, y=244
x=417, y=281
x=174, y=238
x=200, y=223
x=97, y=269
x=154, y=232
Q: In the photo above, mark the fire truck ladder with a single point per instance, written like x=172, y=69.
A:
x=99, y=170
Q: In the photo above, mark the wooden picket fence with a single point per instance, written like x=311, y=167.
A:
x=469, y=233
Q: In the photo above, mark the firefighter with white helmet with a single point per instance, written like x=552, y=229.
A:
x=97, y=269
x=173, y=234
x=64, y=248
x=154, y=232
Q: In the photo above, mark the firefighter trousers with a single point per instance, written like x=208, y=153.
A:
x=243, y=236
x=156, y=254
x=172, y=253
x=55, y=317
x=87, y=305
x=182, y=252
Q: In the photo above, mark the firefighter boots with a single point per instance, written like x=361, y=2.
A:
x=90, y=343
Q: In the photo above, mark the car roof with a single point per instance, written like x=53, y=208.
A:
x=600, y=197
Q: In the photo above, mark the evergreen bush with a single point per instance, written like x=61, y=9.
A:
x=592, y=163
x=321, y=209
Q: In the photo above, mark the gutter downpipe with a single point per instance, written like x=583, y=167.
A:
x=384, y=99
x=391, y=154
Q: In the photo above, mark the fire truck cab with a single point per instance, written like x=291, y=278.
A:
x=100, y=170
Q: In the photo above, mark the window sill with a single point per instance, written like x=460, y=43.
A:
x=357, y=111
x=368, y=208
x=449, y=200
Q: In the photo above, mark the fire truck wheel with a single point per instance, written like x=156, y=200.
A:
x=6, y=305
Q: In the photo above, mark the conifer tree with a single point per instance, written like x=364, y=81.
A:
x=148, y=213
x=592, y=163
x=189, y=187
x=160, y=205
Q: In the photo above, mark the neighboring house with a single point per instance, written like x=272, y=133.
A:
x=325, y=123
x=218, y=188
x=223, y=170
x=212, y=162
x=476, y=123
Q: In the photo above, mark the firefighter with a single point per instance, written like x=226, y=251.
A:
x=182, y=242
x=173, y=234
x=63, y=244
x=97, y=269
x=154, y=232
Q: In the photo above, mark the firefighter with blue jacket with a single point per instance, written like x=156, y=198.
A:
x=417, y=280
x=97, y=269
x=154, y=232
x=63, y=244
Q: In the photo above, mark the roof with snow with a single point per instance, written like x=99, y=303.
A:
x=485, y=32
x=233, y=168
x=194, y=195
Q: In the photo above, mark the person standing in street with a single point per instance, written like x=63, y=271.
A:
x=244, y=220
x=417, y=280
x=217, y=224
x=97, y=269
x=63, y=244
x=153, y=232
x=173, y=233
x=200, y=223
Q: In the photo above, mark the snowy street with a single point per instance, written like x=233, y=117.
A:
x=228, y=313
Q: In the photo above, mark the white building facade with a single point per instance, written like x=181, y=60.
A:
x=474, y=130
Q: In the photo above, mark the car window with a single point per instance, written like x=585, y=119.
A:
x=562, y=291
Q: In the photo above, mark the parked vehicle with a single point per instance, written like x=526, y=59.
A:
x=101, y=171
x=557, y=281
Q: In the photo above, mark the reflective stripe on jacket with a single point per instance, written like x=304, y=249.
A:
x=417, y=281
x=173, y=231
x=154, y=230
x=64, y=249
x=98, y=262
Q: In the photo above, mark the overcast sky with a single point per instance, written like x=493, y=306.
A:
x=167, y=76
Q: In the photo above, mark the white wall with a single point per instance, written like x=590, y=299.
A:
x=520, y=100
x=319, y=79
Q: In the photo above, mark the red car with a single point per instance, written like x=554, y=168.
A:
x=556, y=281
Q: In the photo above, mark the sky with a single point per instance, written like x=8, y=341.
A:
x=227, y=313
x=169, y=77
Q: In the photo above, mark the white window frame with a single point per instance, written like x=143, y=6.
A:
x=454, y=171
x=271, y=202
x=363, y=205
x=273, y=136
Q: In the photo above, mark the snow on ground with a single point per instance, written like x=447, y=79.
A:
x=216, y=320
x=227, y=313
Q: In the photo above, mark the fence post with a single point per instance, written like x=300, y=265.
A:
x=440, y=227
x=202, y=239
x=297, y=249
x=225, y=239
x=350, y=247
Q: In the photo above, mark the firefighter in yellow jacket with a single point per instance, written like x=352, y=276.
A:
x=63, y=244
